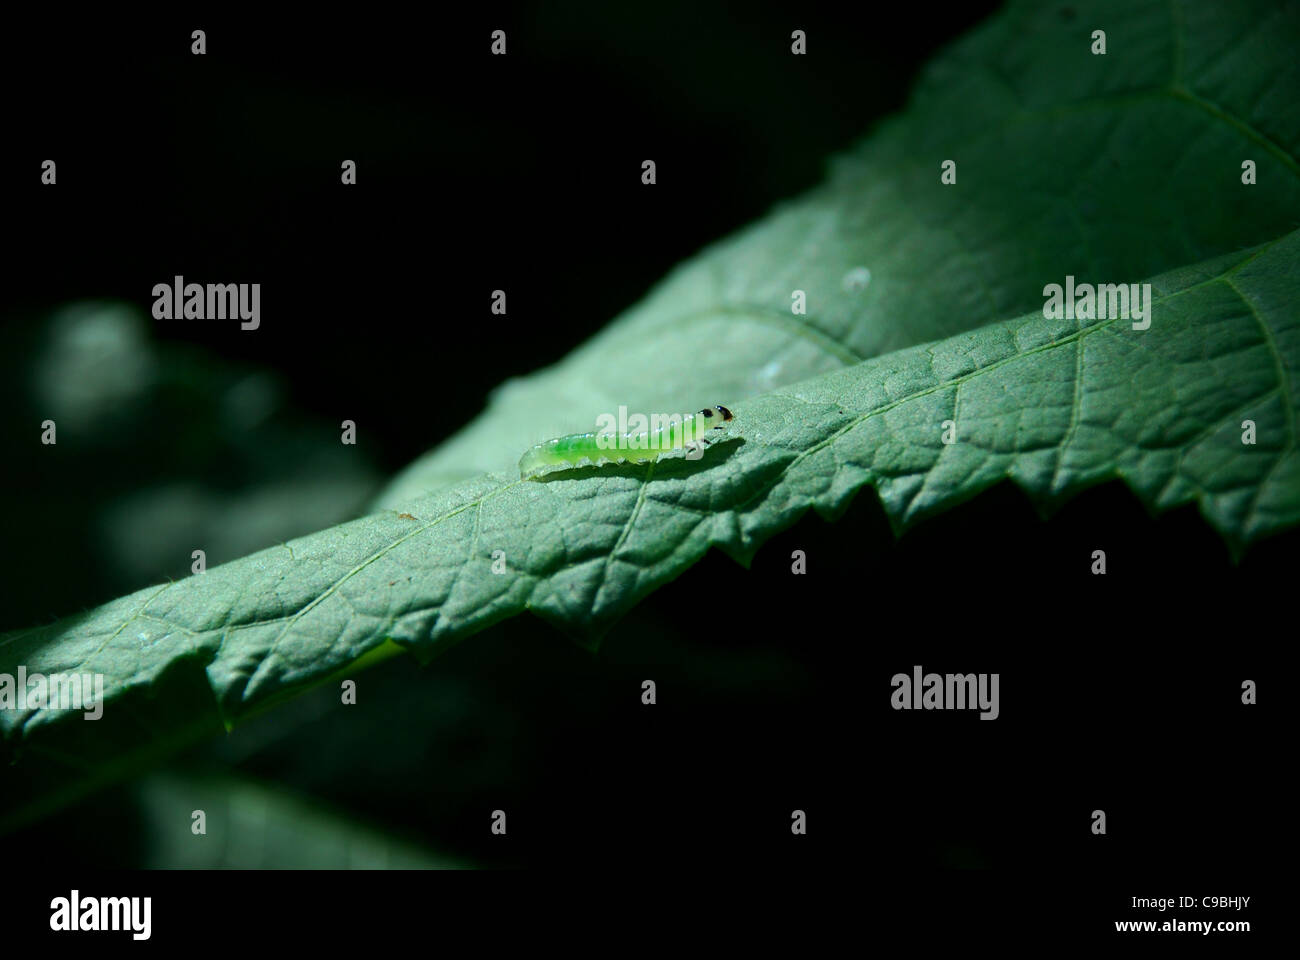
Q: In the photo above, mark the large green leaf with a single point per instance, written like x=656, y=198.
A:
x=1109, y=168
x=1053, y=404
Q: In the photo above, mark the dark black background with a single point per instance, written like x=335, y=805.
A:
x=1119, y=692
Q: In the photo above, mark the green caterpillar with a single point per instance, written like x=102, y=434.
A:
x=574, y=449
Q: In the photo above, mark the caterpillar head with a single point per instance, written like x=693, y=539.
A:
x=719, y=413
